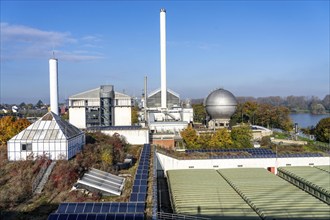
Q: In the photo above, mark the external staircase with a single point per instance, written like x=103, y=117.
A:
x=42, y=178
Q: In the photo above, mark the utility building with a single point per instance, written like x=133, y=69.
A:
x=100, y=107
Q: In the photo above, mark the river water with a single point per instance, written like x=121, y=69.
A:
x=305, y=120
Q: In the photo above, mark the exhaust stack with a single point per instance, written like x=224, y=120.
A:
x=163, y=58
x=53, y=85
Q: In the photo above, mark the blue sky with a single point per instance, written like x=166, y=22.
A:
x=251, y=48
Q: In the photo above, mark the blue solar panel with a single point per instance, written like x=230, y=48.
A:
x=62, y=207
x=71, y=207
x=139, y=207
x=114, y=207
x=81, y=217
x=80, y=207
x=72, y=216
x=52, y=217
x=91, y=217
x=97, y=207
x=118, y=216
x=101, y=217
x=123, y=207
x=105, y=207
x=133, y=197
x=88, y=207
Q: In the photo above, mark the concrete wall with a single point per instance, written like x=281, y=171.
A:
x=169, y=163
x=123, y=116
x=77, y=117
x=137, y=136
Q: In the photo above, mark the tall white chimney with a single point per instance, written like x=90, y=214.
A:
x=163, y=57
x=53, y=78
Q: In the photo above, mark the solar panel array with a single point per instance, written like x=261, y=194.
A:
x=100, y=216
x=99, y=207
x=254, y=153
x=140, y=185
x=132, y=210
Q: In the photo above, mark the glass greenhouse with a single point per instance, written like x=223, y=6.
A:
x=50, y=136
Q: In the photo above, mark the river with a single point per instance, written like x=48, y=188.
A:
x=305, y=120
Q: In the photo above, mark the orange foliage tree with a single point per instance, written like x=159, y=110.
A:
x=10, y=126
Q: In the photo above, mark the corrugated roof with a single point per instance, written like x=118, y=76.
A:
x=158, y=90
x=207, y=194
x=310, y=175
x=273, y=197
x=103, y=181
x=48, y=127
x=95, y=94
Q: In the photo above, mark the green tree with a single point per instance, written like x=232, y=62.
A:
x=135, y=115
x=199, y=112
x=322, y=130
x=190, y=137
x=241, y=136
x=220, y=139
x=39, y=104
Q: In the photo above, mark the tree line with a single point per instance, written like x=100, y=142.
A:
x=252, y=112
x=311, y=104
x=238, y=137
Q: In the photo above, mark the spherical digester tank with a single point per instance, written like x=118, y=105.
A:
x=220, y=104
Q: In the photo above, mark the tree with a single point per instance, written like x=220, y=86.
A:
x=241, y=136
x=326, y=102
x=199, y=112
x=317, y=108
x=220, y=139
x=190, y=137
x=322, y=130
x=135, y=115
x=39, y=104
x=204, y=139
x=10, y=126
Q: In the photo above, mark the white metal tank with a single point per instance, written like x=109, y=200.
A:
x=220, y=104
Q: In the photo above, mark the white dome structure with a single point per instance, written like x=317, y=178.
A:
x=220, y=105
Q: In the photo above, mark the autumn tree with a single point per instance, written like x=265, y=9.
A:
x=203, y=140
x=220, y=139
x=322, y=130
x=241, y=136
x=10, y=126
x=190, y=137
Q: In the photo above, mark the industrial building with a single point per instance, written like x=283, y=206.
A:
x=100, y=107
x=163, y=112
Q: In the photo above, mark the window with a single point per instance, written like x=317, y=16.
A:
x=26, y=147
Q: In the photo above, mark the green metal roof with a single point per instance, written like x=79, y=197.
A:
x=206, y=193
x=311, y=175
x=273, y=197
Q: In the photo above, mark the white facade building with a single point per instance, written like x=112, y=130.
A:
x=50, y=136
x=100, y=107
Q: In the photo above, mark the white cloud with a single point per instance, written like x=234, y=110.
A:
x=18, y=41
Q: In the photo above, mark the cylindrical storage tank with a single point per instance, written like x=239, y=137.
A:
x=220, y=104
x=53, y=85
